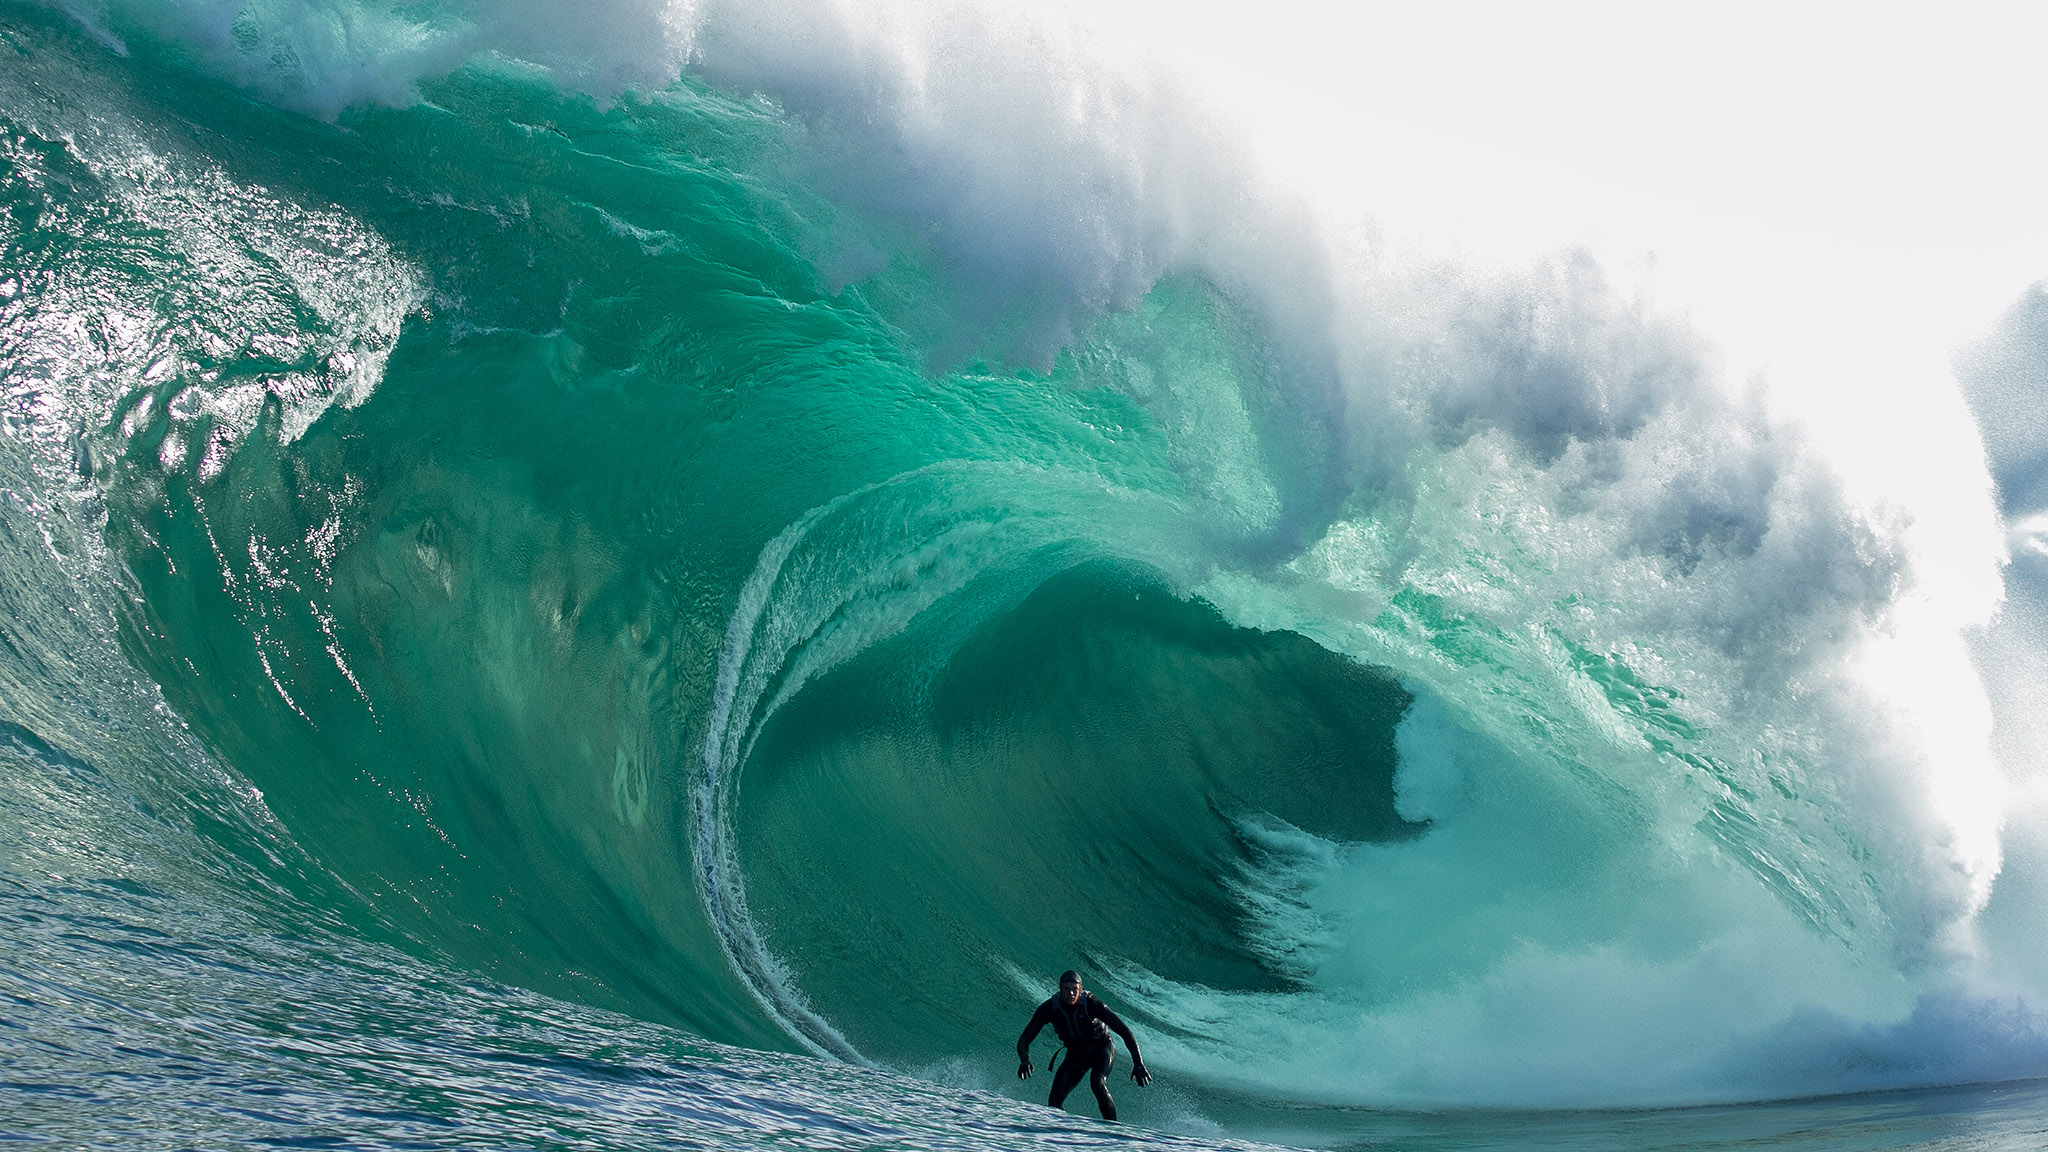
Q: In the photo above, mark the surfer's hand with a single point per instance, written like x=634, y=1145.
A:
x=1024, y=1070
x=1142, y=1075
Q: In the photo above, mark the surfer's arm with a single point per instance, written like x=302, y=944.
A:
x=1116, y=1024
x=1039, y=1019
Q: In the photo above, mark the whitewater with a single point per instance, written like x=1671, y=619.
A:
x=647, y=575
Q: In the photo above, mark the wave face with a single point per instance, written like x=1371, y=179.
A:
x=766, y=556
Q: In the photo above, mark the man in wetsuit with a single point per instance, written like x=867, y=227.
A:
x=1083, y=1024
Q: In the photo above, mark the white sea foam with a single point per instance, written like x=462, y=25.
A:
x=243, y=268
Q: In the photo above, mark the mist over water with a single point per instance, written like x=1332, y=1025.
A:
x=797, y=523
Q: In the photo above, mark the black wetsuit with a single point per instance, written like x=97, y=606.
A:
x=1085, y=1030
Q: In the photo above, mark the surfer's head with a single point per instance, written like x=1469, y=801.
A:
x=1070, y=987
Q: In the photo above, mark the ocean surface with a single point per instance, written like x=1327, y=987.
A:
x=642, y=576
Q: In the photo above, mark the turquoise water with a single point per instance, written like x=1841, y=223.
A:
x=554, y=601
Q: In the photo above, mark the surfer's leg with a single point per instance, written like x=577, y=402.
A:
x=1098, y=1080
x=1063, y=1081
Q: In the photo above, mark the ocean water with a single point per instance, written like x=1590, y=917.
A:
x=647, y=576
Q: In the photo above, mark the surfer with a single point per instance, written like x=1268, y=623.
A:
x=1083, y=1025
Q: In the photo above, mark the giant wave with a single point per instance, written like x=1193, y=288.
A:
x=801, y=546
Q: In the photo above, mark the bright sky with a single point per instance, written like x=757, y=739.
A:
x=1825, y=135
x=1841, y=196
